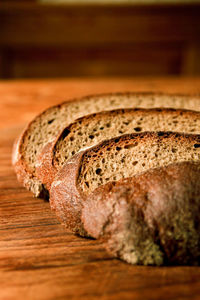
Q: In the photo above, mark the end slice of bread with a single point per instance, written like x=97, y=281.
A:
x=92, y=129
x=151, y=219
x=44, y=128
x=114, y=160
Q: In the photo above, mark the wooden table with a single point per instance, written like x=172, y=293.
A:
x=39, y=259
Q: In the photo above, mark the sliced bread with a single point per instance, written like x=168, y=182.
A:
x=45, y=126
x=152, y=218
x=113, y=160
x=94, y=128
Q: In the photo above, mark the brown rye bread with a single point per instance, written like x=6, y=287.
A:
x=92, y=129
x=44, y=128
x=112, y=160
x=151, y=219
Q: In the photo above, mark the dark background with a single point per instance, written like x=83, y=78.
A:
x=44, y=40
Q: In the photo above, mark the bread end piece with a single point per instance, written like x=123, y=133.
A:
x=66, y=199
x=23, y=175
x=150, y=219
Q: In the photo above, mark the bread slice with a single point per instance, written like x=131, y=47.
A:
x=113, y=160
x=152, y=218
x=45, y=126
x=94, y=128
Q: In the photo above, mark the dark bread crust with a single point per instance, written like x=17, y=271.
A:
x=46, y=168
x=24, y=173
x=66, y=196
x=151, y=218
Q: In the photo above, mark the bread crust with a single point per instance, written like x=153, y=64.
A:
x=45, y=167
x=151, y=218
x=66, y=196
x=24, y=174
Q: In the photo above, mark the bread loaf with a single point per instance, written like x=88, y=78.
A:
x=44, y=128
x=151, y=219
x=94, y=128
x=113, y=160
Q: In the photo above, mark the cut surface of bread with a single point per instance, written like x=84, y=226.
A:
x=92, y=129
x=151, y=219
x=128, y=155
x=45, y=126
x=113, y=160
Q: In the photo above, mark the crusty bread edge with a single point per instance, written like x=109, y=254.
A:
x=66, y=198
x=45, y=170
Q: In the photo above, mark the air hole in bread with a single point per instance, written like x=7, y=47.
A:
x=196, y=145
x=87, y=183
x=51, y=121
x=137, y=129
x=65, y=133
x=98, y=171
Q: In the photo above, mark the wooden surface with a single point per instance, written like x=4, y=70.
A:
x=93, y=40
x=39, y=259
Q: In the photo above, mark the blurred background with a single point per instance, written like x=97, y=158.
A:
x=69, y=38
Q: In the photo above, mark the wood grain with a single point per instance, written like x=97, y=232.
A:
x=39, y=259
x=80, y=24
x=98, y=40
